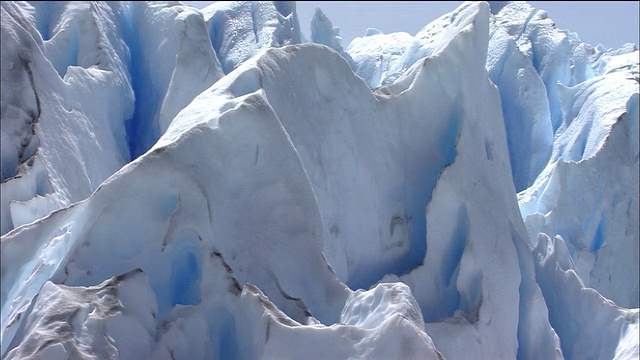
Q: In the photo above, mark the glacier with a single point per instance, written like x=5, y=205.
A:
x=196, y=184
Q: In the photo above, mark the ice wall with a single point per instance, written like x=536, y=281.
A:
x=284, y=208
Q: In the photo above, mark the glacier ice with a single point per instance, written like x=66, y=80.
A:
x=527, y=58
x=179, y=184
x=572, y=305
x=241, y=29
x=323, y=32
x=600, y=120
x=112, y=88
x=524, y=107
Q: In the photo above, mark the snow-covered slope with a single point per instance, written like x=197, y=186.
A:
x=286, y=210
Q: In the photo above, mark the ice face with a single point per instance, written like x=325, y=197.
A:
x=241, y=29
x=382, y=58
x=285, y=209
x=87, y=105
x=527, y=59
x=323, y=32
x=102, y=75
x=572, y=305
x=168, y=68
x=112, y=319
x=524, y=107
x=586, y=200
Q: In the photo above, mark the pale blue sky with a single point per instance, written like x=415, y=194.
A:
x=612, y=23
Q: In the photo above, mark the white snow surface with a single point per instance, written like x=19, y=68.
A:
x=179, y=184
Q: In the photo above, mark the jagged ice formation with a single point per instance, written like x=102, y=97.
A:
x=184, y=184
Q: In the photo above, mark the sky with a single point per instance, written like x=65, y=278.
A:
x=611, y=23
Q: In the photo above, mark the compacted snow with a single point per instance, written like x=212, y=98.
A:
x=184, y=184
